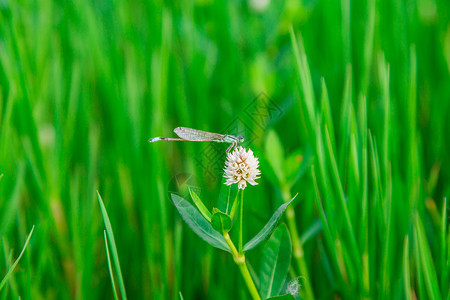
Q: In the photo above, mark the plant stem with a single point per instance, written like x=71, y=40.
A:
x=241, y=223
x=297, y=246
x=239, y=259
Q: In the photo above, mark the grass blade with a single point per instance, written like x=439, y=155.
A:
x=406, y=270
x=115, y=255
x=11, y=269
x=111, y=274
x=444, y=262
x=337, y=181
x=306, y=89
x=428, y=269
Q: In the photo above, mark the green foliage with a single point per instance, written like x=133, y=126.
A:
x=350, y=96
x=199, y=224
x=227, y=197
x=283, y=297
x=284, y=171
x=110, y=269
x=13, y=266
x=199, y=204
x=267, y=229
x=115, y=254
x=220, y=221
x=275, y=154
x=276, y=259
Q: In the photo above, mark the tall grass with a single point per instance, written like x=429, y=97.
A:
x=364, y=87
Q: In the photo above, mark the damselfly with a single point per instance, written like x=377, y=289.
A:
x=194, y=135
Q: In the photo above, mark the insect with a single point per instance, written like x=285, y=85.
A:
x=195, y=135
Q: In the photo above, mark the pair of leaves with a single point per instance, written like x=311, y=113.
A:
x=219, y=220
x=203, y=228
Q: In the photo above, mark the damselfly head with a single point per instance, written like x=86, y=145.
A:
x=240, y=138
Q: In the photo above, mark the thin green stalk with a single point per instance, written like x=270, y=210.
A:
x=14, y=265
x=444, y=271
x=406, y=270
x=239, y=256
x=341, y=196
x=297, y=246
x=111, y=274
x=239, y=259
x=112, y=241
x=241, y=224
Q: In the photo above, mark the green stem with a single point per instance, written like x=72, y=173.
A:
x=239, y=259
x=297, y=246
x=241, y=223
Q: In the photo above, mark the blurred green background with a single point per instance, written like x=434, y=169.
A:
x=85, y=84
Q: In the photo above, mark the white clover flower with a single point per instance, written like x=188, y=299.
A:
x=241, y=167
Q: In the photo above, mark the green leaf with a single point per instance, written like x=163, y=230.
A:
x=11, y=269
x=428, y=269
x=111, y=273
x=275, y=154
x=220, y=221
x=9, y=210
x=283, y=297
x=296, y=165
x=228, y=194
x=112, y=241
x=292, y=163
x=268, y=227
x=314, y=229
x=198, y=223
x=307, y=104
x=275, y=262
x=325, y=111
x=268, y=171
x=236, y=203
x=406, y=270
x=201, y=207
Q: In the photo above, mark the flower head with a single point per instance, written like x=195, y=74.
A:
x=241, y=167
